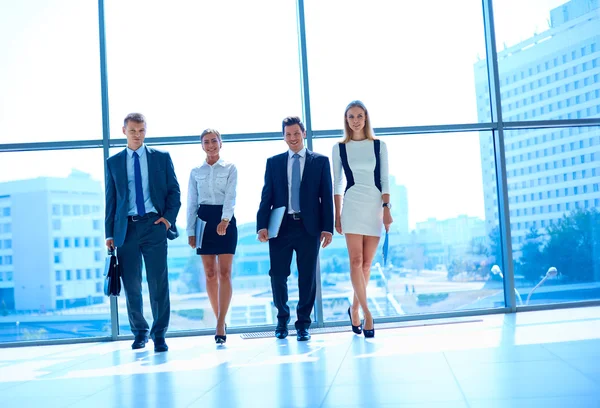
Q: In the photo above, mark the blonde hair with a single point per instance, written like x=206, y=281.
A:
x=368, y=130
x=208, y=132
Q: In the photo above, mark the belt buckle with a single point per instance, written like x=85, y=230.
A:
x=135, y=218
x=296, y=216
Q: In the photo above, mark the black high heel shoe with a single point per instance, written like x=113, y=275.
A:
x=370, y=333
x=355, y=329
x=221, y=339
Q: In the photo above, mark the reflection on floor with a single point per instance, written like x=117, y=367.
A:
x=537, y=359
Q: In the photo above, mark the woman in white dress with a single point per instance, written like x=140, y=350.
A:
x=363, y=161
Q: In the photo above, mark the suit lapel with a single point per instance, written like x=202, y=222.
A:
x=150, y=161
x=307, y=169
x=123, y=181
x=282, y=167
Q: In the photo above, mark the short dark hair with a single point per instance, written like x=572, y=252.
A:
x=134, y=117
x=290, y=121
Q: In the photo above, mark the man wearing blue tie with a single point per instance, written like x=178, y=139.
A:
x=142, y=202
x=299, y=180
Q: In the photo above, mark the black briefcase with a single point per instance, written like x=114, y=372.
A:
x=112, y=275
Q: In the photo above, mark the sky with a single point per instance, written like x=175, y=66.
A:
x=233, y=65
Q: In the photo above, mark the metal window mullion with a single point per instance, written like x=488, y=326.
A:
x=114, y=312
x=309, y=137
x=499, y=156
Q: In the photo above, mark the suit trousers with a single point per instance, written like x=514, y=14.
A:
x=294, y=237
x=146, y=240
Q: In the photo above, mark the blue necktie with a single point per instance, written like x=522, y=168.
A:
x=139, y=192
x=296, y=183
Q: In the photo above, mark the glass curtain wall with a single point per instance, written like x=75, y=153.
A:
x=424, y=73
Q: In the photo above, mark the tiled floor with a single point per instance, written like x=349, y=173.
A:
x=546, y=359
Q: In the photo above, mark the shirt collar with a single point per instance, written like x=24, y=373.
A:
x=219, y=162
x=141, y=151
x=301, y=153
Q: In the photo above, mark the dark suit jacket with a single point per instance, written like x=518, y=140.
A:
x=316, y=197
x=164, y=192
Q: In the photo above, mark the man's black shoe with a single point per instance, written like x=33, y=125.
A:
x=160, y=345
x=139, y=342
x=281, y=331
x=303, y=335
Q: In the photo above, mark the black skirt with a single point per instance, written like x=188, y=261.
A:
x=213, y=243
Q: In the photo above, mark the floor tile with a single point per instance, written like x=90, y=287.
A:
x=497, y=361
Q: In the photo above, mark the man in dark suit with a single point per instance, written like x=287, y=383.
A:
x=142, y=202
x=299, y=180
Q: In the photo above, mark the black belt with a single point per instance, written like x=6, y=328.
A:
x=136, y=218
x=295, y=216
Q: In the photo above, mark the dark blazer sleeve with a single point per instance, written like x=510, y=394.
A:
x=326, y=196
x=173, y=198
x=266, y=199
x=111, y=203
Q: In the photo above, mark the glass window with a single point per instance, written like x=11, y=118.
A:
x=214, y=62
x=251, y=263
x=60, y=177
x=49, y=78
x=421, y=224
x=332, y=40
x=543, y=248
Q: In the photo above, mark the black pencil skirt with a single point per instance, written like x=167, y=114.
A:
x=213, y=243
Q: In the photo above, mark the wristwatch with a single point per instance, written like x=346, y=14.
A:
x=225, y=219
x=388, y=205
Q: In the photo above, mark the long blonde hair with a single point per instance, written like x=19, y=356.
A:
x=370, y=135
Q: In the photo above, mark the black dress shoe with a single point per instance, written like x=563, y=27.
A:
x=355, y=329
x=281, y=331
x=302, y=335
x=139, y=342
x=160, y=345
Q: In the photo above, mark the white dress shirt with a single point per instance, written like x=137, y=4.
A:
x=213, y=185
x=302, y=154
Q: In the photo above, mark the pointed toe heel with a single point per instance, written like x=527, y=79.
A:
x=370, y=333
x=221, y=339
x=355, y=329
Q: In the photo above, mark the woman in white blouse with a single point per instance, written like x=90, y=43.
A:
x=211, y=198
